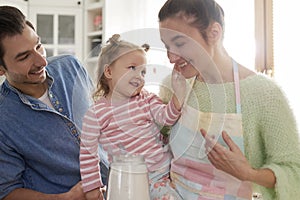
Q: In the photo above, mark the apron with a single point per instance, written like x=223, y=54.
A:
x=192, y=173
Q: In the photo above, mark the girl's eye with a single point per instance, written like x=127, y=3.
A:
x=132, y=67
x=143, y=72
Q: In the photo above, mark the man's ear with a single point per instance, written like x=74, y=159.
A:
x=107, y=71
x=2, y=71
x=215, y=33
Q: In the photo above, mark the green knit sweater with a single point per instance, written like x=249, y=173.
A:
x=270, y=134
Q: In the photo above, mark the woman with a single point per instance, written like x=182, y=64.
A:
x=237, y=134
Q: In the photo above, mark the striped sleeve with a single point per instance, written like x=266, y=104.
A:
x=163, y=114
x=89, y=158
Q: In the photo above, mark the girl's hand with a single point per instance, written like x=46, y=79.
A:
x=231, y=161
x=179, y=86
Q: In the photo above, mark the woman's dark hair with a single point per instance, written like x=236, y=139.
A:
x=203, y=13
x=12, y=22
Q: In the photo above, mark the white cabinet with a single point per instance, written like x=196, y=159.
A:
x=20, y=4
x=59, y=24
x=94, y=13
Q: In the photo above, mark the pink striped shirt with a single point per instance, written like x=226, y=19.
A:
x=130, y=127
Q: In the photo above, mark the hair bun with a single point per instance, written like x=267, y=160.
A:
x=114, y=39
x=146, y=47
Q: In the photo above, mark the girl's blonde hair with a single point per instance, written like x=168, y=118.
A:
x=113, y=50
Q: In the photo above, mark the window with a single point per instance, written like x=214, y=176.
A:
x=286, y=57
x=239, y=38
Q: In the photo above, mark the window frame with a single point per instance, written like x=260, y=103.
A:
x=264, y=54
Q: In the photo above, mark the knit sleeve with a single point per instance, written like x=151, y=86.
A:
x=281, y=141
x=89, y=158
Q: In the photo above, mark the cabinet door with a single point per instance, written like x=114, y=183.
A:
x=20, y=4
x=60, y=29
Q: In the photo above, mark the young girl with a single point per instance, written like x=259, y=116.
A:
x=124, y=118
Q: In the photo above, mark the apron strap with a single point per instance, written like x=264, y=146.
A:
x=237, y=87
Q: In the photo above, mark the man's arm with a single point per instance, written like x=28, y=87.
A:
x=76, y=193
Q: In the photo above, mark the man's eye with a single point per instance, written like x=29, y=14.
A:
x=24, y=57
x=143, y=73
x=38, y=46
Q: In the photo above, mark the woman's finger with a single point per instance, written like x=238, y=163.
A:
x=232, y=146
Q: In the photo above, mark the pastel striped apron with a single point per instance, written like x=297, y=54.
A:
x=193, y=175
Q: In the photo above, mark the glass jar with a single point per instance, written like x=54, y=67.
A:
x=128, y=178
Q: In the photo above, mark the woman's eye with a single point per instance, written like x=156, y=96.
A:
x=167, y=47
x=179, y=44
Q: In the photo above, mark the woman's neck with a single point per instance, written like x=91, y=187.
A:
x=219, y=69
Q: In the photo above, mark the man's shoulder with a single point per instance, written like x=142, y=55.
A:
x=62, y=60
x=64, y=64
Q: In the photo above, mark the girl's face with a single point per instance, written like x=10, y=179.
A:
x=127, y=75
x=185, y=46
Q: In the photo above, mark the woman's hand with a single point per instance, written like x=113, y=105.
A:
x=233, y=162
x=230, y=160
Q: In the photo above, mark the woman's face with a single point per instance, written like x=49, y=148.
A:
x=185, y=45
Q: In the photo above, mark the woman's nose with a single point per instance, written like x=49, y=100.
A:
x=172, y=57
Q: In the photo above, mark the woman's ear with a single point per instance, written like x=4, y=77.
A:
x=215, y=33
x=107, y=71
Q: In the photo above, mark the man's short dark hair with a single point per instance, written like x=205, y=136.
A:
x=12, y=22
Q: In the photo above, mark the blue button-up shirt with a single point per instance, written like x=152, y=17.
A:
x=39, y=145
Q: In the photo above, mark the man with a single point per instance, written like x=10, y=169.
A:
x=42, y=103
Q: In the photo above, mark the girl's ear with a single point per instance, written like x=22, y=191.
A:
x=107, y=71
x=215, y=33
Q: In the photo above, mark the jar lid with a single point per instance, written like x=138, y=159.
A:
x=129, y=158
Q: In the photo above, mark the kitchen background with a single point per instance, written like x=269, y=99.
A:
x=79, y=27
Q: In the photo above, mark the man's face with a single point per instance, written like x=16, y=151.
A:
x=24, y=60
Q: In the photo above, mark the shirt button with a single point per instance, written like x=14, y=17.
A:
x=60, y=109
x=50, y=95
x=74, y=131
x=57, y=102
